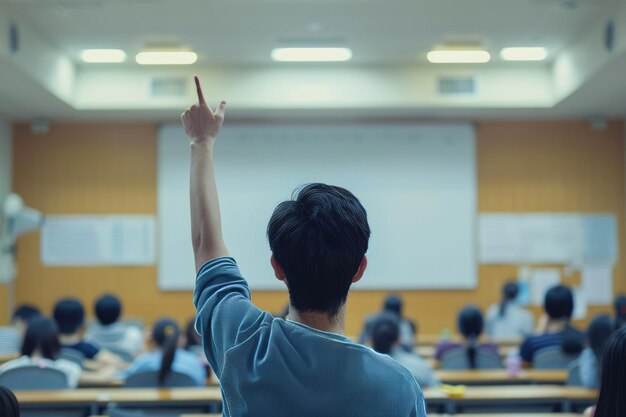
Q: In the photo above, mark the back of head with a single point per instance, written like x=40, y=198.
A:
x=108, y=309
x=25, y=313
x=385, y=332
x=393, y=304
x=509, y=294
x=470, y=324
x=559, y=303
x=613, y=377
x=319, y=238
x=42, y=336
x=166, y=334
x=598, y=333
x=192, y=338
x=620, y=310
x=9, y=407
x=69, y=315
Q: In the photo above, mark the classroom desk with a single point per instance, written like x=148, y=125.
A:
x=428, y=351
x=94, y=401
x=433, y=339
x=563, y=398
x=6, y=358
x=500, y=376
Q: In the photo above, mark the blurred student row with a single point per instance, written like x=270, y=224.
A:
x=107, y=350
x=114, y=350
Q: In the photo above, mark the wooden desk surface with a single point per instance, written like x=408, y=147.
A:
x=500, y=375
x=6, y=358
x=433, y=339
x=428, y=351
x=126, y=395
x=523, y=392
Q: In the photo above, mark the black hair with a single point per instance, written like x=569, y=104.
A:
x=319, y=238
x=69, y=315
x=192, y=338
x=613, y=377
x=598, y=333
x=166, y=334
x=620, y=311
x=108, y=309
x=470, y=323
x=385, y=332
x=25, y=312
x=393, y=304
x=9, y=407
x=42, y=335
x=559, y=303
x=509, y=294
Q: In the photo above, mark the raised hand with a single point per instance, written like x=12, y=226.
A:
x=201, y=123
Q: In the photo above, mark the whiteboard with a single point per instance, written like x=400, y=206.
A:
x=417, y=183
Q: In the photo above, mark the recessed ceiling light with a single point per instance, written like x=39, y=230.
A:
x=458, y=57
x=101, y=56
x=166, y=58
x=311, y=54
x=524, y=54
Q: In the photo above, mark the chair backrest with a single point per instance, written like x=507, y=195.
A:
x=456, y=359
x=72, y=355
x=151, y=380
x=552, y=358
x=573, y=374
x=33, y=378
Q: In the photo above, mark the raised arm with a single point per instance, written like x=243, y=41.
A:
x=202, y=125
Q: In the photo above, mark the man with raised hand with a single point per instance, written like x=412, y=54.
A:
x=302, y=366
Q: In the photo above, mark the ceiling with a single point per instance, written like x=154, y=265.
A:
x=241, y=33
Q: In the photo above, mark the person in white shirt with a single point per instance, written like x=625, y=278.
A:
x=11, y=336
x=41, y=347
x=109, y=333
x=508, y=320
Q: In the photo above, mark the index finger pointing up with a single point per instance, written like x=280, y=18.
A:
x=199, y=90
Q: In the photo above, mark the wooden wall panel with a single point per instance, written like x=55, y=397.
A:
x=111, y=168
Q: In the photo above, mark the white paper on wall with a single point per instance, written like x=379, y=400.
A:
x=541, y=280
x=597, y=283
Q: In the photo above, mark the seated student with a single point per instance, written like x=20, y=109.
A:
x=108, y=333
x=620, y=311
x=386, y=340
x=41, y=347
x=11, y=337
x=508, y=320
x=166, y=355
x=9, y=407
x=408, y=329
x=613, y=378
x=470, y=326
x=304, y=365
x=69, y=315
x=600, y=330
x=557, y=331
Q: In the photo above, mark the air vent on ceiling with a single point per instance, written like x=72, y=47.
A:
x=457, y=86
x=168, y=87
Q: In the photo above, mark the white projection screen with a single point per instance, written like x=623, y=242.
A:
x=417, y=182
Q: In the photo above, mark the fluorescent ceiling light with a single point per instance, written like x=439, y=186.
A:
x=524, y=54
x=166, y=58
x=311, y=54
x=101, y=56
x=458, y=57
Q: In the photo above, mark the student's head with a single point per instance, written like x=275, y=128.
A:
x=613, y=377
x=470, y=322
x=9, y=407
x=509, y=294
x=318, y=240
x=385, y=332
x=620, y=310
x=393, y=304
x=41, y=339
x=559, y=303
x=598, y=333
x=192, y=338
x=23, y=315
x=108, y=309
x=69, y=315
x=166, y=335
